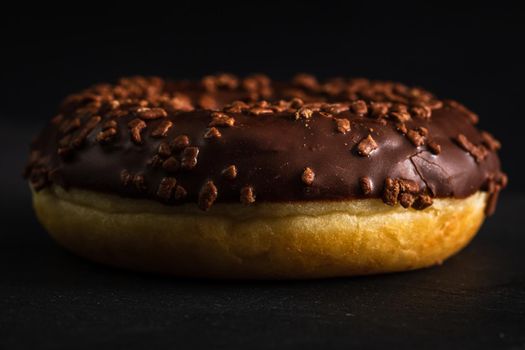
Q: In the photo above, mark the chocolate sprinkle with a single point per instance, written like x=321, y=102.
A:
x=366, y=185
x=308, y=176
x=304, y=113
x=230, y=172
x=189, y=158
x=478, y=152
x=359, y=107
x=136, y=126
x=434, y=147
x=366, y=146
x=343, y=125
x=164, y=149
x=180, y=142
x=207, y=195
x=212, y=133
x=490, y=141
x=180, y=192
x=166, y=187
x=162, y=129
x=151, y=113
x=247, y=195
x=417, y=136
x=221, y=119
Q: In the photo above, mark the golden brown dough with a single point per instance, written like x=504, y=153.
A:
x=262, y=241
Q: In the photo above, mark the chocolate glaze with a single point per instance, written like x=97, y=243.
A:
x=270, y=152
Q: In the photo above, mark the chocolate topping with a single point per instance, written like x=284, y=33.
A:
x=144, y=138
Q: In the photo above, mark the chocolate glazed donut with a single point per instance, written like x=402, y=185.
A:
x=259, y=179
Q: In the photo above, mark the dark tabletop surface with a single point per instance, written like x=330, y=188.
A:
x=51, y=299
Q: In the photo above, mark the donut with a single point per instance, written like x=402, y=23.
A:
x=260, y=179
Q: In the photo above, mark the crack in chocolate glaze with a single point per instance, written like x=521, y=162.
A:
x=418, y=172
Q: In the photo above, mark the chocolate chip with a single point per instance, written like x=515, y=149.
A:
x=221, y=119
x=136, y=126
x=162, y=129
x=212, y=133
x=171, y=165
x=189, y=158
x=180, y=142
x=308, y=176
x=151, y=113
x=366, y=146
x=247, y=195
x=366, y=185
x=207, y=195
x=343, y=125
x=230, y=172
x=166, y=186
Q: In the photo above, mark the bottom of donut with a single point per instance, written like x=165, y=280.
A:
x=262, y=241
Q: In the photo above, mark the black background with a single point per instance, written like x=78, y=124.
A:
x=474, y=54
